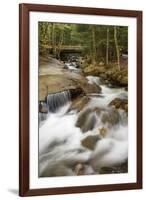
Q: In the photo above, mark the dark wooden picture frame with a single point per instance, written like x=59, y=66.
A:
x=24, y=188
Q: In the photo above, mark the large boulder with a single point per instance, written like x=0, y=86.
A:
x=86, y=120
x=54, y=83
x=79, y=103
x=46, y=60
x=53, y=78
x=120, y=104
x=110, y=117
x=119, y=77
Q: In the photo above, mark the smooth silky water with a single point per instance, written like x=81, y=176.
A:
x=60, y=149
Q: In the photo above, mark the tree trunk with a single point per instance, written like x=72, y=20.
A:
x=117, y=47
x=94, y=56
x=53, y=39
x=60, y=42
x=107, y=46
x=50, y=35
x=46, y=32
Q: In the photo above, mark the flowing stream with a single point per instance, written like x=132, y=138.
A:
x=61, y=152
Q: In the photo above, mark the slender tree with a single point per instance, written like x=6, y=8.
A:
x=94, y=44
x=117, y=47
x=61, y=38
x=107, y=45
x=54, y=38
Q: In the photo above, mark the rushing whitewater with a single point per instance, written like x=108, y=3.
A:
x=61, y=152
x=93, y=79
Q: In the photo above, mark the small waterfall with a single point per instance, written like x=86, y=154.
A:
x=73, y=67
x=56, y=100
x=93, y=80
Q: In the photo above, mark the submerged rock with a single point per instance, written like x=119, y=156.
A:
x=58, y=169
x=90, y=141
x=122, y=168
x=111, y=117
x=79, y=169
x=89, y=123
x=83, y=169
x=103, y=131
x=86, y=120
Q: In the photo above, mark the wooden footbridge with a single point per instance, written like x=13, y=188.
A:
x=66, y=48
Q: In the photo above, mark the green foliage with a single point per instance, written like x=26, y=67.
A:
x=93, y=39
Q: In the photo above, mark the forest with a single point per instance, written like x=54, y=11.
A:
x=100, y=44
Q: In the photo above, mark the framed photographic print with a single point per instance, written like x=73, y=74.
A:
x=80, y=99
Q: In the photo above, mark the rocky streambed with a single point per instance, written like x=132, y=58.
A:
x=83, y=126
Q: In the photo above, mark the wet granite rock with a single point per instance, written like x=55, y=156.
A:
x=111, y=117
x=120, y=104
x=90, y=141
x=86, y=120
x=79, y=103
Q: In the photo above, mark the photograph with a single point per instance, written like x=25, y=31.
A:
x=80, y=89
x=82, y=99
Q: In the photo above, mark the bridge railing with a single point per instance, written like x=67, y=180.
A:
x=65, y=47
